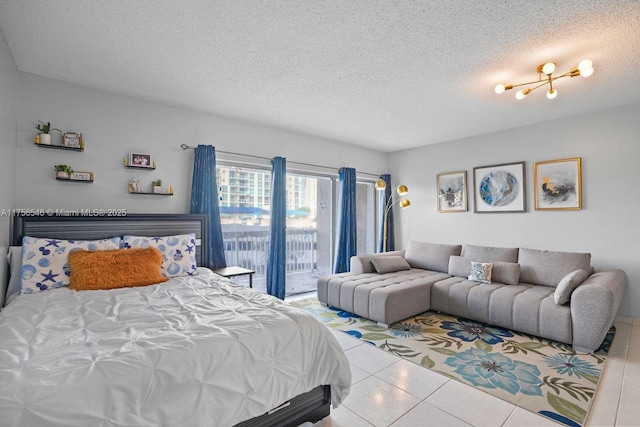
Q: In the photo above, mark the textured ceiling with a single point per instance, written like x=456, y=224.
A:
x=388, y=75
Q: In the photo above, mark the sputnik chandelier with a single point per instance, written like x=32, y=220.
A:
x=584, y=69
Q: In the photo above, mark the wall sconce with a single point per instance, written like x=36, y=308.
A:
x=584, y=69
x=381, y=185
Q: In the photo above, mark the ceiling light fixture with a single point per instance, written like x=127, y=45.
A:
x=584, y=69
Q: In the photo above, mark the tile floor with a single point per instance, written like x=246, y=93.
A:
x=389, y=391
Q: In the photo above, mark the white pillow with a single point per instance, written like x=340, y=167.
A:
x=45, y=261
x=178, y=252
x=481, y=272
x=567, y=285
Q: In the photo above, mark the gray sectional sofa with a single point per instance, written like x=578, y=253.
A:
x=555, y=295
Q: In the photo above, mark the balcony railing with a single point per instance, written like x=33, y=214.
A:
x=250, y=249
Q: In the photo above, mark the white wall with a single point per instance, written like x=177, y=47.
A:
x=8, y=119
x=607, y=226
x=114, y=125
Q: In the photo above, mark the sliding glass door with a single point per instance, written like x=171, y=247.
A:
x=245, y=213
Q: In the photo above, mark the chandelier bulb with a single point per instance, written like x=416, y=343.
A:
x=552, y=94
x=585, y=64
x=499, y=89
x=549, y=68
x=519, y=94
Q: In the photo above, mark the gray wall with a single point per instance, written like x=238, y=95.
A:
x=8, y=119
x=607, y=226
x=114, y=125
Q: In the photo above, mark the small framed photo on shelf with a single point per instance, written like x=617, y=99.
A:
x=452, y=191
x=138, y=160
x=558, y=184
x=72, y=140
x=499, y=188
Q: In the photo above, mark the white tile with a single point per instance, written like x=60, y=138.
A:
x=378, y=402
x=358, y=374
x=471, y=405
x=627, y=418
x=523, y=418
x=342, y=417
x=370, y=358
x=346, y=341
x=414, y=379
x=425, y=414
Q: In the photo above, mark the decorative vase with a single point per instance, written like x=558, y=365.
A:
x=45, y=139
x=62, y=175
x=157, y=189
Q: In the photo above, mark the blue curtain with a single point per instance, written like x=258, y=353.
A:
x=204, y=200
x=384, y=196
x=346, y=239
x=277, y=264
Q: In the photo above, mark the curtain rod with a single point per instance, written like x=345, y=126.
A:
x=189, y=147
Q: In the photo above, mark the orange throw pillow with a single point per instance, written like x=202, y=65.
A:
x=111, y=269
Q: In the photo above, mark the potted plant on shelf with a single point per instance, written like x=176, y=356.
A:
x=157, y=186
x=63, y=171
x=44, y=137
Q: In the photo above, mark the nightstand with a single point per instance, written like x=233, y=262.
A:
x=236, y=271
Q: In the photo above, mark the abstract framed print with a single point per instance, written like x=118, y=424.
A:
x=499, y=188
x=558, y=184
x=452, y=191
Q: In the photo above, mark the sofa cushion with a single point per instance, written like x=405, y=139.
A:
x=430, y=256
x=567, y=285
x=481, y=272
x=549, y=267
x=362, y=263
x=489, y=253
x=389, y=264
x=503, y=272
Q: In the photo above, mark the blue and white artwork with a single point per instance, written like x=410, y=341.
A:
x=499, y=188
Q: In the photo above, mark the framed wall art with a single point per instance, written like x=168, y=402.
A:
x=558, y=184
x=452, y=191
x=499, y=188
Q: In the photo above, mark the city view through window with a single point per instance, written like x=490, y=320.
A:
x=245, y=213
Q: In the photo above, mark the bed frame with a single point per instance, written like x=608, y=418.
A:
x=308, y=407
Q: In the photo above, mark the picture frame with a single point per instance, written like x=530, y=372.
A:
x=558, y=184
x=499, y=188
x=139, y=160
x=452, y=191
x=72, y=139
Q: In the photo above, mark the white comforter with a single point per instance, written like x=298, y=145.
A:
x=197, y=351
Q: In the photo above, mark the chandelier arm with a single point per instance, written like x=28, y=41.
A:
x=525, y=84
x=539, y=86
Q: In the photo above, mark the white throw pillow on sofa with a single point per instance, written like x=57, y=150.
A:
x=567, y=285
x=481, y=272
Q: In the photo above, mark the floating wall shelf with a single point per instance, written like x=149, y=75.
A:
x=60, y=147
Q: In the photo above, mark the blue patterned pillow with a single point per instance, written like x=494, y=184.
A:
x=481, y=272
x=178, y=252
x=45, y=261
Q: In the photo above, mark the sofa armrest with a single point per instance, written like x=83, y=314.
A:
x=594, y=305
x=362, y=263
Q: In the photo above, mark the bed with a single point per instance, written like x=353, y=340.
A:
x=196, y=350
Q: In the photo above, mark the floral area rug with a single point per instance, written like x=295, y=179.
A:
x=542, y=376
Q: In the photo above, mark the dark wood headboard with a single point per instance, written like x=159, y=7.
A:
x=102, y=227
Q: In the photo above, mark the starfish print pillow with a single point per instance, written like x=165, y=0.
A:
x=178, y=252
x=45, y=262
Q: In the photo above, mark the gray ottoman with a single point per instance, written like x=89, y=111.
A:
x=384, y=298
